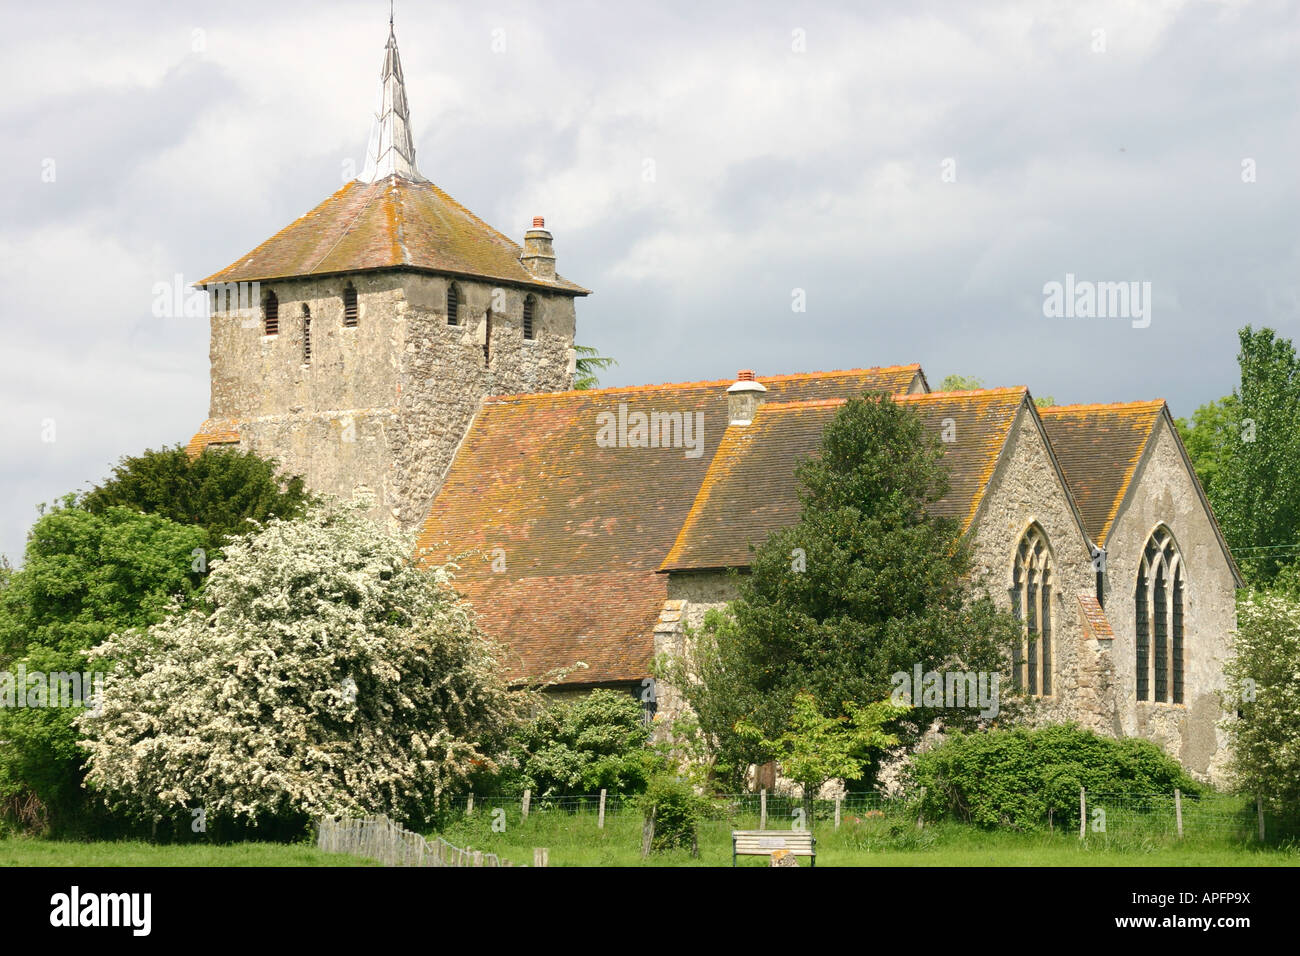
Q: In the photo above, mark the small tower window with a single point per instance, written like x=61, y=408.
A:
x=349, y=306
x=306, y=335
x=530, y=306
x=270, y=314
x=453, y=305
x=487, y=338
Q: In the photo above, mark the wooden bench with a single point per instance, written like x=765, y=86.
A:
x=767, y=842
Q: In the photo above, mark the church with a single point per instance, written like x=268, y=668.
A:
x=398, y=345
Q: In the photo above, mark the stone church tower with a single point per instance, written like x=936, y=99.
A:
x=357, y=344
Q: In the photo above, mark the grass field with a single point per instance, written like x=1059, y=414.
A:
x=1138, y=832
x=573, y=839
x=22, y=851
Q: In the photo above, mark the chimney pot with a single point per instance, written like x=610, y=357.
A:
x=539, y=222
x=745, y=375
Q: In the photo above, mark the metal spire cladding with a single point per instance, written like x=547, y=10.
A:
x=391, y=151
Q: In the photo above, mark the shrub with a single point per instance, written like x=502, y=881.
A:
x=323, y=674
x=1016, y=777
x=598, y=741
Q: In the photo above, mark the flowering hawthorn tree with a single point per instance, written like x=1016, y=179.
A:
x=325, y=673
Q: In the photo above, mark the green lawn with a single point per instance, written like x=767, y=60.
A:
x=21, y=851
x=573, y=839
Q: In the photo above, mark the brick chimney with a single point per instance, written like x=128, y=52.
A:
x=744, y=396
x=539, y=254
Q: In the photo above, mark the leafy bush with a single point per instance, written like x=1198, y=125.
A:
x=85, y=576
x=672, y=810
x=1264, y=684
x=598, y=741
x=221, y=490
x=1013, y=778
x=324, y=673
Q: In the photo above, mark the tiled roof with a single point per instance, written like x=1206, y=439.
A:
x=751, y=491
x=1094, y=616
x=215, y=431
x=583, y=528
x=1099, y=447
x=392, y=223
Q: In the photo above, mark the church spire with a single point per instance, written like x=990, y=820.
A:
x=391, y=151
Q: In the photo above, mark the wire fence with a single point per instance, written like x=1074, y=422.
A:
x=380, y=839
x=1166, y=816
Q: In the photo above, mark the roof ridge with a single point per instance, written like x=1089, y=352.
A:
x=1097, y=406
x=706, y=383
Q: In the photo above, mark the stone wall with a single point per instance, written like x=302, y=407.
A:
x=1026, y=488
x=1163, y=492
x=383, y=405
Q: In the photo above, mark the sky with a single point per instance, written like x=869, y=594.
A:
x=780, y=186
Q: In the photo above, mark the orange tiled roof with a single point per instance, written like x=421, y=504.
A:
x=392, y=223
x=1095, y=616
x=583, y=528
x=751, y=491
x=215, y=431
x=1099, y=447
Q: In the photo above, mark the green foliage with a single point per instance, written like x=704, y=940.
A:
x=1013, y=778
x=589, y=363
x=960, y=383
x=674, y=807
x=1264, y=687
x=89, y=574
x=323, y=674
x=868, y=583
x=1045, y=401
x=815, y=748
x=220, y=490
x=598, y=741
x=1246, y=449
x=1208, y=438
x=85, y=576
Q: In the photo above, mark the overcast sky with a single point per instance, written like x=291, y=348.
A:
x=919, y=170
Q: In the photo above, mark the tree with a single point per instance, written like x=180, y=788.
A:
x=85, y=576
x=1264, y=691
x=868, y=583
x=221, y=490
x=815, y=748
x=1209, y=438
x=324, y=673
x=1256, y=484
x=960, y=383
x=598, y=741
x=590, y=362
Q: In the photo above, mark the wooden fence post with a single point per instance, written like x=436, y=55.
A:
x=1178, y=811
x=1259, y=809
x=1083, y=814
x=541, y=856
x=478, y=857
x=528, y=795
x=469, y=805
x=600, y=819
x=837, y=812
x=762, y=809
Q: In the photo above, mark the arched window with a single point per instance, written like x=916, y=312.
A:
x=306, y=334
x=453, y=305
x=530, y=306
x=1031, y=602
x=270, y=314
x=1158, y=614
x=349, y=306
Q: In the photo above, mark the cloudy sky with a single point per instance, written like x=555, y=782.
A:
x=919, y=170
